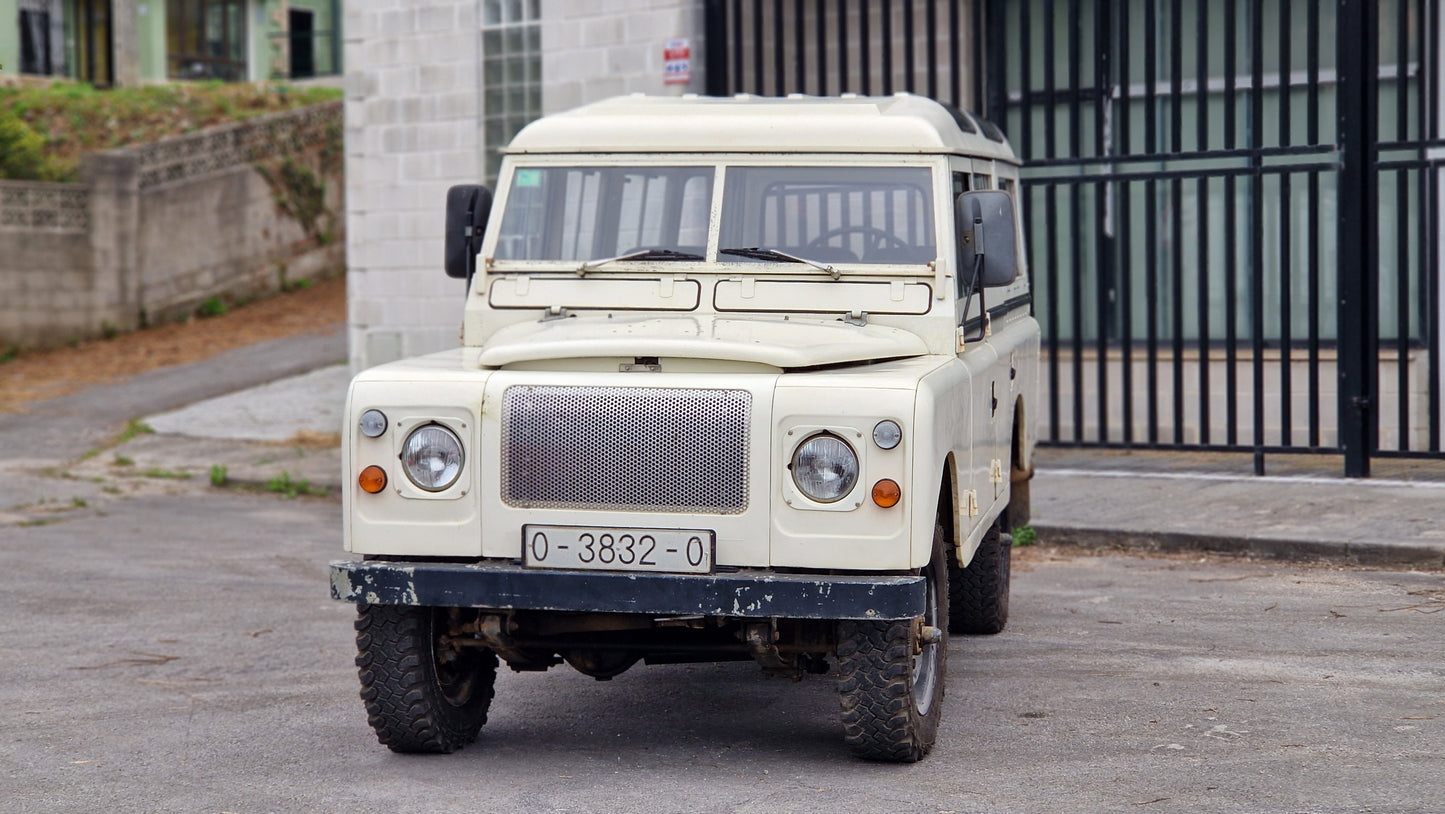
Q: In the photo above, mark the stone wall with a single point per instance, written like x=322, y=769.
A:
x=151, y=232
x=414, y=109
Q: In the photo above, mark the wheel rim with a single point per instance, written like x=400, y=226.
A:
x=455, y=673
x=925, y=664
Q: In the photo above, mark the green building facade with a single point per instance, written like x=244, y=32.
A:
x=230, y=40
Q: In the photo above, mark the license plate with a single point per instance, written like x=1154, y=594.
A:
x=687, y=551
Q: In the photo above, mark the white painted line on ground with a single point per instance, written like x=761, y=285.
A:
x=1217, y=476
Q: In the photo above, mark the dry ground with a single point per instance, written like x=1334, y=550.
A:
x=38, y=375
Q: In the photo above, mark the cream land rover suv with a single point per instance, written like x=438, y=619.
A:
x=740, y=378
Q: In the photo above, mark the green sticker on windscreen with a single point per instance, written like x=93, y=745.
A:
x=529, y=178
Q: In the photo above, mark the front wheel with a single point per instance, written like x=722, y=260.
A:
x=892, y=675
x=422, y=692
x=978, y=592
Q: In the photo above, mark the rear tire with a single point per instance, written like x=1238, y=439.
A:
x=978, y=593
x=891, y=687
x=420, y=695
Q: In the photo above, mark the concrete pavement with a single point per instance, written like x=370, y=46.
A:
x=287, y=425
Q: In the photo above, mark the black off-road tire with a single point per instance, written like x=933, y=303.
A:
x=978, y=593
x=420, y=697
x=893, y=698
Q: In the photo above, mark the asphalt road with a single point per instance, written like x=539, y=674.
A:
x=175, y=649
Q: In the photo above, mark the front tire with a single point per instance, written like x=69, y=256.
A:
x=978, y=593
x=421, y=695
x=891, y=684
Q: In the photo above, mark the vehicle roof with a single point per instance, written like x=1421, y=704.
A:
x=902, y=123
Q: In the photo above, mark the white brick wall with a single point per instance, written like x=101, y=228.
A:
x=413, y=112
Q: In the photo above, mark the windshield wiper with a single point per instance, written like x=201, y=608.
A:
x=773, y=254
x=645, y=254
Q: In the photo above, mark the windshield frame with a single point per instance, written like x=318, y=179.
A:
x=937, y=166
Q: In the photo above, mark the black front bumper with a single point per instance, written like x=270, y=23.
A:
x=746, y=594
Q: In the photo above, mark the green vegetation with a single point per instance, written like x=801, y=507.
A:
x=166, y=474
x=123, y=460
x=45, y=129
x=218, y=475
x=133, y=428
x=283, y=484
x=212, y=307
x=1025, y=536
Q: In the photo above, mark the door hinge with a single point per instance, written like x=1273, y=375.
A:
x=995, y=471
x=971, y=499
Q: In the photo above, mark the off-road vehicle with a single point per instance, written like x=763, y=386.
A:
x=739, y=378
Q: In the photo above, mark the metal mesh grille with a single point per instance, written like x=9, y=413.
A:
x=630, y=448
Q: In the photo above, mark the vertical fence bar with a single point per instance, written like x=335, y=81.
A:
x=1357, y=44
x=931, y=29
x=1402, y=226
x=1176, y=206
x=910, y=69
x=820, y=11
x=1231, y=232
x=1026, y=84
x=800, y=65
x=1256, y=240
x=1151, y=223
x=757, y=46
x=1203, y=288
x=715, y=24
x=779, y=74
x=1104, y=232
x=955, y=60
x=1430, y=207
x=888, y=46
x=843, y=83
x=1286, y=233
x=1312, y=136
x=865, y=36
x=1076, y=222
x=1122, y=68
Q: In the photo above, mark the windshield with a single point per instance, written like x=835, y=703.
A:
x=834, y=214
x=830, y=214
x=585, y=213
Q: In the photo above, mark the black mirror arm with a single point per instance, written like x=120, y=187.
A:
x=976, y=286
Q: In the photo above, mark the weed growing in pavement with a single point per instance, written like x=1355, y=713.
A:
x=283, y=484
x=122, y=460
x=218, y=475
x=78, y=502
x=133, y=428
x=1025, y=536
x=9, y=354
x=212, y=307
x=39, y=521
x=166, y=474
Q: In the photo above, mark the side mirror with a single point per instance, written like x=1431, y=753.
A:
x=468, y=206
x=984, y=223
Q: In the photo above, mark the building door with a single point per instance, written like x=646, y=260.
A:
x=93, y=43
x=302, y=25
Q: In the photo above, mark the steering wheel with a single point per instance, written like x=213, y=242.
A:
x=879, y=238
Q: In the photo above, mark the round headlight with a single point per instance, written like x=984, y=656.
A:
x=825, y=468
x=887, y=434
x=432, y=457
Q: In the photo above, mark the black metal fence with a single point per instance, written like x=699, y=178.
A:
x=1233, y=205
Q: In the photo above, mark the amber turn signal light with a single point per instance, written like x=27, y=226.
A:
x=886, y=493
x=373, y=479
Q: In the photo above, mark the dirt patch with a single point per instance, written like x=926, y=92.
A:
x=39, y=375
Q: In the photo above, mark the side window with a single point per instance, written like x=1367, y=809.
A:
x=960, y=184
x=981, y=181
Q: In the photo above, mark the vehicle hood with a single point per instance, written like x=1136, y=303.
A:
x=782, y=343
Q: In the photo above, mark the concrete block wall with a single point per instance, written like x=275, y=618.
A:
x=414, y=107
x=153, y=231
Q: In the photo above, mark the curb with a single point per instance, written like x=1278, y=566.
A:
x=1269, y=548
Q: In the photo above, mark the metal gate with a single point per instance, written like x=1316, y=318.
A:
x=1233, y=205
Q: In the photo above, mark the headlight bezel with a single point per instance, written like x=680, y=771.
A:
x=823, y=444
x=447, y=434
